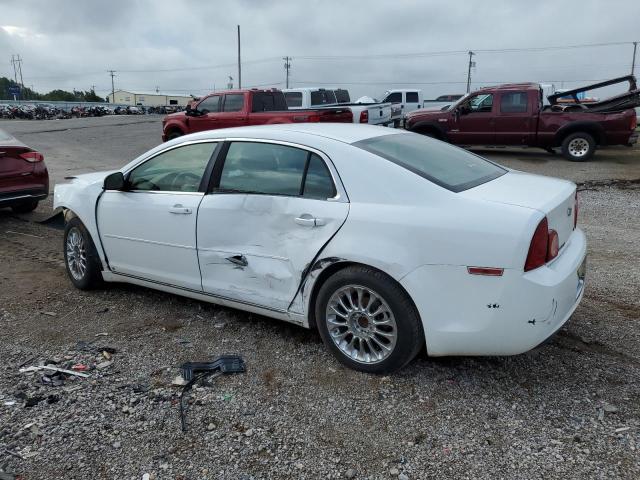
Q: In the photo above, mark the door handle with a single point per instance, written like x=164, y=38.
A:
x=309, y=221
x=179, y=209
x=239, y=260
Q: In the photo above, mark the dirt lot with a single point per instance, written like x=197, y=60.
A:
x=569, y=409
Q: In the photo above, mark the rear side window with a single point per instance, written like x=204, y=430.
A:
x=294, y=99
x=233, y=102
x=412, y=97
x=271, y=169
x=342, y=96
x=322, y=97
x=176, y=170
x=513, y=102
x=268, y=102
x=450, y=167
x=210, y=104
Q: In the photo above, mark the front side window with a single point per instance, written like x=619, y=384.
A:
x=513, y=102
x=294, y=99
x=480, y=103
x=210, y=104
x=395, y=97
x=450, y=167
x=176, y=170
x=233, y=102
x=272, y=169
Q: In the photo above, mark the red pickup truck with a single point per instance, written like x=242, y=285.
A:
x=515, y=115
x=236, y=108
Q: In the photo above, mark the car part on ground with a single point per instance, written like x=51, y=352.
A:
x=193, y=372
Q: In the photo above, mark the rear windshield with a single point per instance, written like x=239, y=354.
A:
x=450, y=167
x=294, y=99
x=322, y=97
x=342, y=96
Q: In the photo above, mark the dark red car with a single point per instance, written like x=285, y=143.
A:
x=24, y=179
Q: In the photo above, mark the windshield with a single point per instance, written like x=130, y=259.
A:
x=450, y=167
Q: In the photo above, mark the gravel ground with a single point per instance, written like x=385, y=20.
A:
x=568, y=409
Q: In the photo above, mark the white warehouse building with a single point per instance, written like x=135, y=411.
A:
x=148, y=99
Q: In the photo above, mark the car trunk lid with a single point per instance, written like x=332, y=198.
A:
x=553, y=197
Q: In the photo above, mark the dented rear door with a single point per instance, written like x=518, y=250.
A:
x=254, y=246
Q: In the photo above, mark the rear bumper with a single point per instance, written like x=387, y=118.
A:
x=466, y=314
x=633, y=139
x=8, y=199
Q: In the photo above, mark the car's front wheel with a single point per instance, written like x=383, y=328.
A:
x=80, y=256
x=368, y=321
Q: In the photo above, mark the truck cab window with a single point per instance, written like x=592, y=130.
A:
x=395, y=97
x=412, y=97
x=513, y=102
x=210, y=104
x=233, y=102
x=482, y=102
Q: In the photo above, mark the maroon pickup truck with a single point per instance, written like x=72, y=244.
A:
x=515, y=115
x=237, y=108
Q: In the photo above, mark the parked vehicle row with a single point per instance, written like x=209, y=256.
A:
x=47, y=111
x=237, y=108
x=514, y=115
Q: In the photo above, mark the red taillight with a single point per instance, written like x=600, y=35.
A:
x=32, y=157
x=575, y=212
x=364, y=116
x=553, y=245
x=634, y=122
x=537, y=255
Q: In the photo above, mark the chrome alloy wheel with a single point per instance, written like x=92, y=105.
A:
x=76, y=254
x=361, y=324
x=578, y=147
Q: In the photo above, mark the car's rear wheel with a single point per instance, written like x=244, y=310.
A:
x=25, y=207
x=578, y=147
x=81, y=257
x=368, y=321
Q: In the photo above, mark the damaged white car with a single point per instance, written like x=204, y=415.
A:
x=385, y=241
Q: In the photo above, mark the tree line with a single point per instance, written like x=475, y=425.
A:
x=54, y=95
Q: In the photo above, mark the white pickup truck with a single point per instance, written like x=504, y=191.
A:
x=410, y=99
x=373, y=113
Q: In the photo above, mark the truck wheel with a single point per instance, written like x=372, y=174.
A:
x=578, y=147
x=367, y=320
x=174, y=134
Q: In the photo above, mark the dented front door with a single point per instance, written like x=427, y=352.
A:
x=253, y=248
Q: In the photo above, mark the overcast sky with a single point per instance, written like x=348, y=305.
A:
x=188, y=46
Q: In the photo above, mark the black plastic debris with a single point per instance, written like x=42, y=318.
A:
x=194, y=372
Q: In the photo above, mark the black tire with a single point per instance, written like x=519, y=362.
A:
x=408, y=327
x=174, y=134
x=578, y=147
x=92, y=276
x=25, y=207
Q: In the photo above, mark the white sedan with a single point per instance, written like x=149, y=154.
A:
x=385, y=241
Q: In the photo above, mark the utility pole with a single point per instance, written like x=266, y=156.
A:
x=287, y=67
x=19, y=62
x=113, y=89
x=15, y=72
x=633, y=63
x=239, y=67
x=471, y=64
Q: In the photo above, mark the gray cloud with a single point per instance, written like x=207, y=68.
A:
x=69, y=44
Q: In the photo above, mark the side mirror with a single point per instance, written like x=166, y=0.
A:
x=115, y=181
x=191, y=112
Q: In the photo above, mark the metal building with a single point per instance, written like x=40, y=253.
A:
x=148, y=99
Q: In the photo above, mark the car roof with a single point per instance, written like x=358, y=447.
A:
x=341, y=132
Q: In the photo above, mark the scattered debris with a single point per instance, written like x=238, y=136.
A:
x=192, y=372
x=53, y=368
x=101, y=334
x=622, y=429
x=50, y=314
x=103, y=365
x=79, y=367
